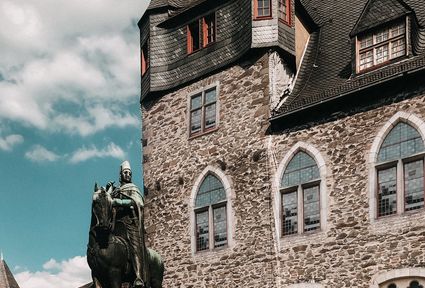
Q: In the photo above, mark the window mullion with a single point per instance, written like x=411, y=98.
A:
x=203, y=112
x=400, y=187
x=211, y=227
x=300, y=195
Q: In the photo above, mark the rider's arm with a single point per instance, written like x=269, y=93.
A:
x=121, y=202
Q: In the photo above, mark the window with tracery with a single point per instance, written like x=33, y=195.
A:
x=211, y=214
x=300, y=195
x=400, y=171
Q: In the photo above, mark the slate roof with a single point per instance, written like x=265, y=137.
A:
x=6, y=277
x=326, y=71
x=377, y=12
x=176, y=4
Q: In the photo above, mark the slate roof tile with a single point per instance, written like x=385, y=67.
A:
x=326, y=70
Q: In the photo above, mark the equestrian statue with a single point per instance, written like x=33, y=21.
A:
x=116, y=250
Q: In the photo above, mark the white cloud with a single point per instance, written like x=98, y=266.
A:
x=71, y=273
x=97, y=119
x=84, y=154
x=40, y=154
x=7, y=143
x=54, y=73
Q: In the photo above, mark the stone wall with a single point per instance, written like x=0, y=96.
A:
x=354, y=247
x=347, y=253
x=243, y=100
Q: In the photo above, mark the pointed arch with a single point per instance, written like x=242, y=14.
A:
x=212, y=172
x=418, y=125
x=320, y=162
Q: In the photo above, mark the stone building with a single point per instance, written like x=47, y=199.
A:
x=283, y=142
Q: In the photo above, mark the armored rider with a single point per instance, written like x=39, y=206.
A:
x=128, y=198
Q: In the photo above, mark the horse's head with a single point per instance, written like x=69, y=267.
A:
x=102, y=208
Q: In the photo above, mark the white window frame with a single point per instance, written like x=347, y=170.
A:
x=317, y=156
x=375, y=45
x=227, y=184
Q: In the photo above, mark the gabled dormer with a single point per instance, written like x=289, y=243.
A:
x=382, y=34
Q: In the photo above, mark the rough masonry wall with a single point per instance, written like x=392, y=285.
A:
x=348, y=253
x=354, y=247
x=170, y=154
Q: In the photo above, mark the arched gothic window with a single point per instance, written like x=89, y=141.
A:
x=210, y=214
x=400, y=171
x=300, y=192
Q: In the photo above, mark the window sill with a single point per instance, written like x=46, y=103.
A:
x=199, y=134
x=208, y=45
x=287, y=23
x=263, y=18
x=192, y=52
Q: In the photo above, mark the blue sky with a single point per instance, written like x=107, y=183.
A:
x=69, y=115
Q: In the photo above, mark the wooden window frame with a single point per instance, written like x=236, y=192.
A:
x=400, y=182
x=262, y=17
x=145, y=57
x=299, y=189
x=287, y=20
x=206, y=29
x=190, y=36
x=375, y=45
x=203, y=129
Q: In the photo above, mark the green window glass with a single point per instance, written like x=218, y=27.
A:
x=400, y=151
x=402, y=141
x=300, y=195
x=211, y=214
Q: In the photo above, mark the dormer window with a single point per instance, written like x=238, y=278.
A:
x=382, y=45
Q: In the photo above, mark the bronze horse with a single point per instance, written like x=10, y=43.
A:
x=108, y=254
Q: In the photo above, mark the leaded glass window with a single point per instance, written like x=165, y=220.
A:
x=380, y=46
x=400, y=171
x=300, y=195
x=211, y=214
